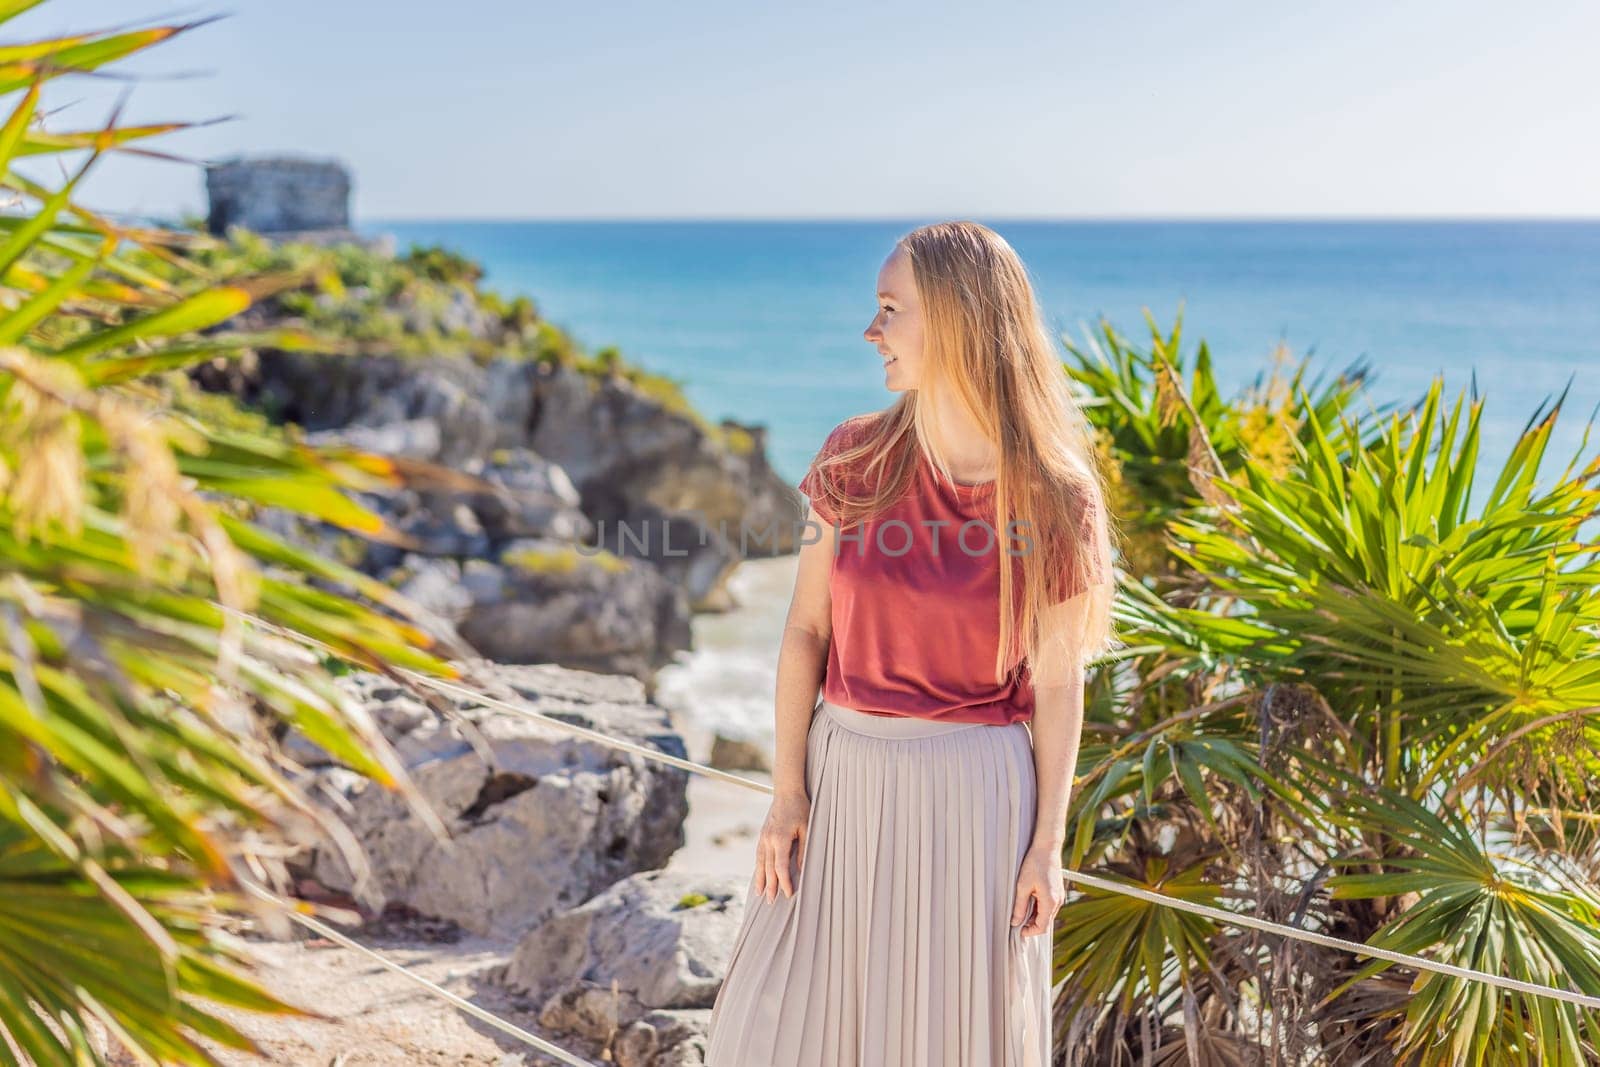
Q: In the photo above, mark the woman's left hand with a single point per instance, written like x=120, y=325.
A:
x=1039, y=885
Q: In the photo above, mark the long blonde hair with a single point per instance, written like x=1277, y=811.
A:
x=987, y=347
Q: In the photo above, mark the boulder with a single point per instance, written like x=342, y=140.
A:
x=738, y=754
x=563, y=456
x=558, y=603
x=530, y=497
x=624, y=450
x=628, y=454
x=540, y=819
x=665, y=1039
x=434, y=584
x=411, y=438
x=643, y=960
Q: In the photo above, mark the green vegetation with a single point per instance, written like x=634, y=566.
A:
x=139, y=689
x=737, y=440
x=423, y=302
x=563, y=560
x=1350, y=698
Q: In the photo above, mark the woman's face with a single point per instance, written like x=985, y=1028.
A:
x=896, y=330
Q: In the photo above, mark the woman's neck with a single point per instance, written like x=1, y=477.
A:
x=972, y=457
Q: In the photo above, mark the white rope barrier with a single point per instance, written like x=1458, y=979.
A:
x=1235, y=918
x=1219, y=915
x=509, y=1028
x=1081, y=877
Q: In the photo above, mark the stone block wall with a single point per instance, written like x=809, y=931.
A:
x=278, y=195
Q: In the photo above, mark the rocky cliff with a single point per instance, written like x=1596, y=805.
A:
x=553, y=855
x=523, y=461
x=601, y=512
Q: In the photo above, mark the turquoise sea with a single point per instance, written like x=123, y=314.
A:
x=762, y=321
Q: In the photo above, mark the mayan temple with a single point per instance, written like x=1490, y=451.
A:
x=279, y=195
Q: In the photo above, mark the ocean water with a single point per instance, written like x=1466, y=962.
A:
x=762, y=321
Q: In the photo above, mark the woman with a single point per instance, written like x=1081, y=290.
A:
x=909, y=870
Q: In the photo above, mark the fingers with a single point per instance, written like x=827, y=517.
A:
x=1036, y=921
x=1024, y=914
x=773, y=867
x=773, y=871
x=784, y=877
x=1044, y=912
x=770, y=866
x=766, y=869
x=784, y=881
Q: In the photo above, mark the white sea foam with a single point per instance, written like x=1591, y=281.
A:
x=728, y=684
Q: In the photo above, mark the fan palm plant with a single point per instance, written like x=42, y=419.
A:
x=1360, y=700
x=1132, y=402
x=139, y=785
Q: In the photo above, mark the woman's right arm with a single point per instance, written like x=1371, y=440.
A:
x=802, y=664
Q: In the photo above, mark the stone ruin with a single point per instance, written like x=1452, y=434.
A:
x=279, y=195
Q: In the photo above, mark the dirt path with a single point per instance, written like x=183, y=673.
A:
x=377, y=1016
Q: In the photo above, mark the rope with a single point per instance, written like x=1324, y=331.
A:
x=1219, y=915
x=509, y=1028
x=1081, y=877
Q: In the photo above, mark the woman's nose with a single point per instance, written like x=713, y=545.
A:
x=872, y=333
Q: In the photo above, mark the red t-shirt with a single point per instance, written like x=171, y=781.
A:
x=916, y=595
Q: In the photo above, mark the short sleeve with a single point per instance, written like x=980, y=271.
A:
x=811, y=484
x=1074, y=576
x=1073, y=615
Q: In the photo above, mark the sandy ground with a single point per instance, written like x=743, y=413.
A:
x=723, y=822
x=378, y=1017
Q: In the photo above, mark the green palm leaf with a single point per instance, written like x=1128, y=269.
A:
x=136, y=694
x=1492, y=912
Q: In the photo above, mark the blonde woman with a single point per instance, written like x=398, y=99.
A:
x=909, y=869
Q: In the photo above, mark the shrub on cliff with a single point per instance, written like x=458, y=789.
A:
x=426, y=301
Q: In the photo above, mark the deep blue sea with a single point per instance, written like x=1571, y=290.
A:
x=762, y=321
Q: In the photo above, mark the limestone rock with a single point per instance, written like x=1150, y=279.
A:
x=412, y=438
x=562, y=605
x=540, y=818
x=737, y=754
x=665, y=1039
x=662, y=936
x=624, y=451
x=643, y=960
x=435, y=584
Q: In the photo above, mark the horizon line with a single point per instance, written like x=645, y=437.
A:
x=1179, y=218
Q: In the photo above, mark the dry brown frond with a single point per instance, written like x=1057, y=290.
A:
x=42, y=471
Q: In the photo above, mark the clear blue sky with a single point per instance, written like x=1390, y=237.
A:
x=491, y=108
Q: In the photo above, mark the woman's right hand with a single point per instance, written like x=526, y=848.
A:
x=784, y=829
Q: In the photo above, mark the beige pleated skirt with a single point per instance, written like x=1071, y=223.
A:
x=897, y=948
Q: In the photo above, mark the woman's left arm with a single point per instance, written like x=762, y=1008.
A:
x=1057, y=728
